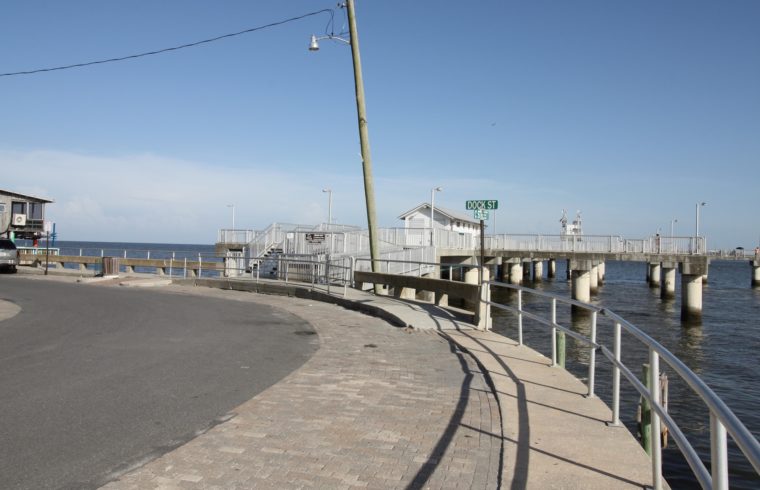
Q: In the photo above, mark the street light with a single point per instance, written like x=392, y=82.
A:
x=696, y=230
x=329, y=207
x=432, y=214
x=233, y=214
x=672, y=224
x=361, y=113
x=698, y=205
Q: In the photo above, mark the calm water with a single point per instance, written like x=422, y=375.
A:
x=724, y=350
x=137, y=251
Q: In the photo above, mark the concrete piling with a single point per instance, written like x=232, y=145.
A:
x=551, y=268
x=581, y=285
x=538, y=270
x=691, y=289
x=654, y=274
x=515, y=272
x=594, y=279
x=755, y=273
x=668, y=287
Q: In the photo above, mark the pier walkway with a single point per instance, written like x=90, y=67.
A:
x=435, y=405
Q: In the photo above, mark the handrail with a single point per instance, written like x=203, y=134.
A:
x=524, y=242
x=722, y=418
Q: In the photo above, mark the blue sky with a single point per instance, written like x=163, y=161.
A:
x=630, y=111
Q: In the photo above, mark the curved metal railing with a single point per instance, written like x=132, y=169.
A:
x=722, y=420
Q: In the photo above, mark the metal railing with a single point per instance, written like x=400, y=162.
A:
x=39, y=250
x=351, y=240
x=722, y=419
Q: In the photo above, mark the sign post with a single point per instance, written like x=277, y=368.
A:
x=47, y=226
x=480, y=209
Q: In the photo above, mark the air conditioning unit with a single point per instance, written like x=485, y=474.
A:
x=19, y=220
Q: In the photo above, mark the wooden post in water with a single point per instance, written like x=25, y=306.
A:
x=561, y=348
x=645, y=414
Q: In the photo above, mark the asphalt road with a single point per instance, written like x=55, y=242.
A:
x=96, y=379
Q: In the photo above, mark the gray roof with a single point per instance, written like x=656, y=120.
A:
x=24, y=196
x=454, y=215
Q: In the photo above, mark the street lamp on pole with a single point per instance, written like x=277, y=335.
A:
x=233, y=214
x=329, y=207
x=432, y=213
x=696, y=229
x=672, y=226
x=361, y=112
x=698, y=205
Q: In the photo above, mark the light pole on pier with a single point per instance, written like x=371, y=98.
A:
x=432, y=214
x=329, y=207
x=672, y=226
x=361, y=112
x=233, y=214
x=698, y=205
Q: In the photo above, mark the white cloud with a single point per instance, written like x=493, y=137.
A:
x=150, y=198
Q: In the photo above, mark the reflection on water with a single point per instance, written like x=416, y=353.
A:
x=722, y=348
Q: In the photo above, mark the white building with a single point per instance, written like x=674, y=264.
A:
x=22, y=216
x=445, y=219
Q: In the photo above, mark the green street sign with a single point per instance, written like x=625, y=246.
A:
x=483, y=204
x=481, y=214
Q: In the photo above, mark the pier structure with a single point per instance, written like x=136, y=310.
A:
x=515, y=259
x=586, y=271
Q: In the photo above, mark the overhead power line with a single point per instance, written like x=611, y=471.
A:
x=174, y=48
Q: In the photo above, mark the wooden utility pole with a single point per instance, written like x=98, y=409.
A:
x=361, y=110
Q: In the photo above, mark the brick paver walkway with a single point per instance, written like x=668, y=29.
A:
x=376, y=407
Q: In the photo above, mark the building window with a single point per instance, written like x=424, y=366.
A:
x=18, y=207
x=35, y=210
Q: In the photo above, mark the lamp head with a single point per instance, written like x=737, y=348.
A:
x=438, y=189
x=326, y=190
x=313, y=45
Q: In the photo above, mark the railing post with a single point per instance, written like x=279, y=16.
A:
x=519, y=318
x=561, y=340
x=654, y=381
x=184, y=273
x=353, y=268
x=718, y=453
x=616, y=377
x=554, y=331
x=592, y=357
x=200, y=266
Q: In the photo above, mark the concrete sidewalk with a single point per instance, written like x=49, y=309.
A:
x=553, y=435
x=435, y=405
x=376, y=407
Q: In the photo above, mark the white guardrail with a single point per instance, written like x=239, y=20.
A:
x=338, y=239
x=722, y=419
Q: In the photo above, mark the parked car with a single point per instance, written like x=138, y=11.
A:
x=8, y=255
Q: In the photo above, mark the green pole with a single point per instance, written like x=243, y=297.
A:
x=561, y=348
x=645, y=427
x=361, y=110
